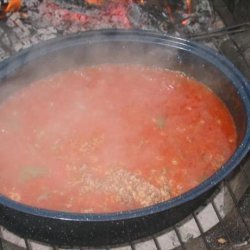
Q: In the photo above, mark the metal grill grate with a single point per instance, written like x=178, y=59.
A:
x=231, y=231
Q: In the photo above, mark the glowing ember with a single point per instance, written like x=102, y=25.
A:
x=185, y=21
x=95, y=2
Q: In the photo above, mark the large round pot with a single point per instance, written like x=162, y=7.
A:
x=97, y=47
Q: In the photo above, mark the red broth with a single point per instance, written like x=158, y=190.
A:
x=110, y=138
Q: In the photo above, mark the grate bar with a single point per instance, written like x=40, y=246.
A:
x=132, y=246
x=179, y=237
x=246, y=175
x=27, y=243
x=1, y=244
x=201, y=231
x=239, y=50
x=156, y=243
x=237, y=206
x=221, y=222
x=227, y=30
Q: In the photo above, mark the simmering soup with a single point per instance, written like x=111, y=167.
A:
x=111, y=137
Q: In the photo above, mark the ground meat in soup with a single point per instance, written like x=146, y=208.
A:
x=111, y=137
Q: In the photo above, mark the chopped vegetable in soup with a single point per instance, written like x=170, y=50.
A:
x=111, y=137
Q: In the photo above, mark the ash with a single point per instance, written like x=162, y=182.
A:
x=41, y=20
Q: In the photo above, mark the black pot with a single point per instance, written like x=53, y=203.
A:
x=68, y=229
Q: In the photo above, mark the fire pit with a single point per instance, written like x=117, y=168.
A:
x=43, y=20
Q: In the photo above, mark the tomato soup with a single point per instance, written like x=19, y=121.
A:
x=111, y=137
